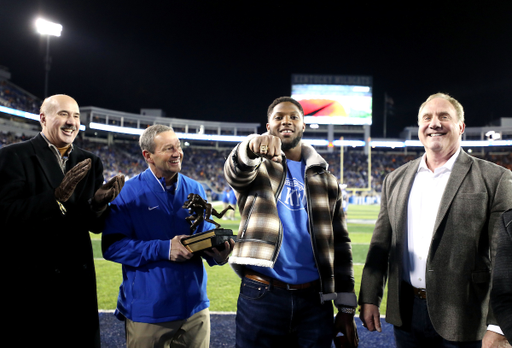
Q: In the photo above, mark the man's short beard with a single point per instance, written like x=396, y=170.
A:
x=292, y=144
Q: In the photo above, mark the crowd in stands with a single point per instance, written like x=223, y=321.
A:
x=14, y=97
x=206, y=165
x=355, y=167
x=124, y=158
x=10, y=138
x=504, y=161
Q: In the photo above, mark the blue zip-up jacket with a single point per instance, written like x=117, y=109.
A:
x=155, y=289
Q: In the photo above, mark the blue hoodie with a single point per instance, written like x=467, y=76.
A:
x=155, y=289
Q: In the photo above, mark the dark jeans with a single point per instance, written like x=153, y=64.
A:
x=423, y=334
x=274, y=317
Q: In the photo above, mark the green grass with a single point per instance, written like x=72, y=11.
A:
x=360, y=228
x=223, y=287
x=359, y=237
x=223, y=283
x=363, y=212
x=359, y=252
x=108, y=278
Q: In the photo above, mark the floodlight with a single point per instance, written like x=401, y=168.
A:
x=45, y=27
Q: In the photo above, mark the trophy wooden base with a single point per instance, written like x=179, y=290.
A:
x=207, y=240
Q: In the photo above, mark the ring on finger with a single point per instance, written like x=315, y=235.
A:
x=263, y=148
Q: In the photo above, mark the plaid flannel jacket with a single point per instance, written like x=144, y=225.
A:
x=258, y=184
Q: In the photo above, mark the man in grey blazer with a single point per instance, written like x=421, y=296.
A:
x=433, y=240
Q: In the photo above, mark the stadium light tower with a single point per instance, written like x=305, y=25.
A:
x=47, y=28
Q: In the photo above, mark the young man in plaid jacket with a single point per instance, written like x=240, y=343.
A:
x=293, y=251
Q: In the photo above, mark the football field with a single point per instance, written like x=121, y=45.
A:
x=223, y=283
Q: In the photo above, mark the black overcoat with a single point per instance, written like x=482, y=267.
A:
x=49, y=277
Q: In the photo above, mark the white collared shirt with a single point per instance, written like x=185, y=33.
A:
x=424, y=201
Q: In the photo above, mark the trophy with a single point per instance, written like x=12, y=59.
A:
x=200, y=210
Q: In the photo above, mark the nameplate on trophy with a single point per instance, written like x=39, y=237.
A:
x=207, y=240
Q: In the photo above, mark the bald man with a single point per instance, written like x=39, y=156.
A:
x=51, y=196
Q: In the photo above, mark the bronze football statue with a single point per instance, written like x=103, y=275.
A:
x=200, y=210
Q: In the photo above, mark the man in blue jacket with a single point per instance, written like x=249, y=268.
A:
x=163, y=295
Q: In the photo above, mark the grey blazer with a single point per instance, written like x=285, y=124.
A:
x=458, y=275
x=501, y=294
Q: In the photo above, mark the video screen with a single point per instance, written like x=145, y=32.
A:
x=334, y=104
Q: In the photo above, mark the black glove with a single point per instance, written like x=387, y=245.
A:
x=71, y=179
x=107, y=193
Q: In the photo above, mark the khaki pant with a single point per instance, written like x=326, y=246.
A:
x=193, y=332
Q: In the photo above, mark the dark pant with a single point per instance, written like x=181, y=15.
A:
x=422, y=333
x=268, y=316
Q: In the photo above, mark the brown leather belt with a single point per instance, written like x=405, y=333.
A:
x=260, y=278
x=421, y=293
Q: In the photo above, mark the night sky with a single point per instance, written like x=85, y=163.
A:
x=227, y=60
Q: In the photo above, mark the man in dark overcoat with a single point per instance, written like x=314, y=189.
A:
x=51, y=195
